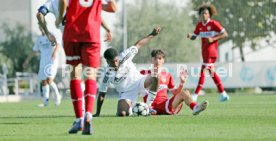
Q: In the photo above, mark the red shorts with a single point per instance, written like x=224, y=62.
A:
x=87, y=54
x=210, y=60
x=165, y=107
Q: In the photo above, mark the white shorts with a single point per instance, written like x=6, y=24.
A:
x=48, y=71
x=131, y=95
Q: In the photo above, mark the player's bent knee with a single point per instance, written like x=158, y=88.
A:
x=122, y=113
x=185, y=94
x=123, y=108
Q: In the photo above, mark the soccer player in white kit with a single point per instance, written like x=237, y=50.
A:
x=48, y=64
x=128, y=81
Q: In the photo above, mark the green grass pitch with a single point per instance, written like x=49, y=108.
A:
x=245, y=117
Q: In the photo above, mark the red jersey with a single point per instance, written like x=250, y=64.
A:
x=210, y=29
x=166, y=82
x=83, y=21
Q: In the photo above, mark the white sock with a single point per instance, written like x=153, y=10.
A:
x=45, y=92
x=151, y=97
x=54, y=86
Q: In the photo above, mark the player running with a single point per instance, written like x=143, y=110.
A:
x=210, y=32
x=48, y=64
x=122, y=73
x=162, y=104
x=82, y=48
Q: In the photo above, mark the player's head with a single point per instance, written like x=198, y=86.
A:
x=157, y=57
x=112, y=57
x=206, y=11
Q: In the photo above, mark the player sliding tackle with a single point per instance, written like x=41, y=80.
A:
x=162, y=104
x=122, y=73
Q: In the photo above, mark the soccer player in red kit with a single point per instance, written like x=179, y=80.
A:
x=82, y=47
x=210, y=32
x=161, y=103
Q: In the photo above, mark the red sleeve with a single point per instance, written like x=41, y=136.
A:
x=171, y=84
x=217, y=26
x=196, y=32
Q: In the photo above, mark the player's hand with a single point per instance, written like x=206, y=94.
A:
x=156, y=31
x=210, y=40
x=108, y=37
x=189, y=35
x=183, y=76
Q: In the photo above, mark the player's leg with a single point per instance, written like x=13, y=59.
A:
x=200, y=83
x=152, y=84
x=72, y=51
x=45, y=93
x=217, y=81
x=123, y=107
x=53, y=85
x=90, y=58
x=77, y=100
x=186, y=97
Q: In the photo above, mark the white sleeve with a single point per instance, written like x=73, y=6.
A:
x=104, y=83
x=128, y=54
x=36, y=45
x=48, y=5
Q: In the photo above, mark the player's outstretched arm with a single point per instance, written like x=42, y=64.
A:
x=111, y=6
x=183, y=78
x=100, y=101
x=146, y=39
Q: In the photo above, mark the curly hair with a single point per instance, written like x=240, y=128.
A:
x=211, y=8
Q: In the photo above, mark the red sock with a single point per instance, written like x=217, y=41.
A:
x=218, y=82
x=76, y=96
x=200, y=81
x=90, y=95
x=192, y=105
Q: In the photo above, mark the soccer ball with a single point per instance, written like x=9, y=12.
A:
x=140, y=109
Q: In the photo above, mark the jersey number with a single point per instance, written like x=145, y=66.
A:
x=86, y=3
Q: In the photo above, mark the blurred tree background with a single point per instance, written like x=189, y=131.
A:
x=144, y=15
x=15, y=48
x=245, y=20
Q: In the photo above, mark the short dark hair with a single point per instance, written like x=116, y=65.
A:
x=156, y=52
x=111, y=53
x=211, y=8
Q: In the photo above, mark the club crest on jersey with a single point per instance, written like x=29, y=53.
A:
x=208, y=28
x=133, y=50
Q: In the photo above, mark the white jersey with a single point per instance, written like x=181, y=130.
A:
x=43, y=45
x=53, y=6
x=126, y=77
